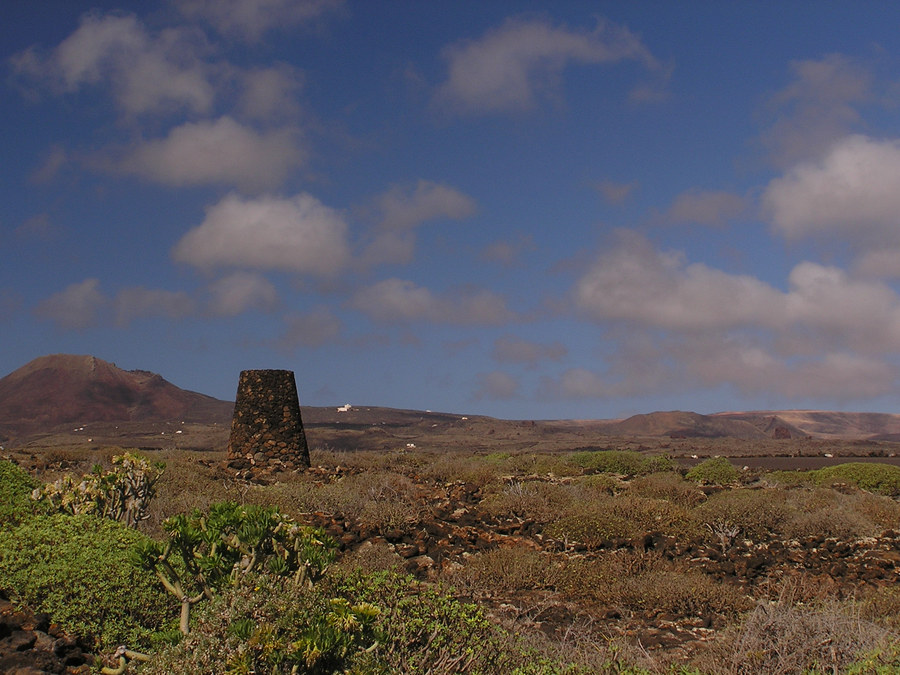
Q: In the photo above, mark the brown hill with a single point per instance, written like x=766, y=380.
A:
x=64, y=389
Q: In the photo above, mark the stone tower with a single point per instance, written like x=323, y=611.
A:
x=266, y=430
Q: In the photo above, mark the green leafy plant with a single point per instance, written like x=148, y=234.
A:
x=714, y=471
x=123, y=493
x=266, y=624
x=206, y=550
x=78, y=570
x=16, y=487
x=622, y=462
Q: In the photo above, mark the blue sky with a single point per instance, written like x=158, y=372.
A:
x=521, y=209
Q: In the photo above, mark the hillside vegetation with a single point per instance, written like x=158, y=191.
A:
x=610, y=561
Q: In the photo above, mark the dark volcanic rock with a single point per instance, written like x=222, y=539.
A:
x=267, y=430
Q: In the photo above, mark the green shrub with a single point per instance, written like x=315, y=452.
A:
x=16, y=486
x=714, y=471
x=78, y=570
x=265, y=624
x=883, y=479
x=622, y=462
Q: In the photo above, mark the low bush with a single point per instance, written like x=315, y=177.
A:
x=268, y=625
x=78, y=570
x=621, y=462
x=782, y=639
x=510, y=569
x=424, y=630
x=756, y=513
x=16, y=486
x=607, y=518
x=875, y=477
x=883, y=479
x=714, y=471
x=669, y=486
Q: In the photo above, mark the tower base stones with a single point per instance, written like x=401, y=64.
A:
x=266, y=430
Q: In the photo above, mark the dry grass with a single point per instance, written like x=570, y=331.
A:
x=782, y=638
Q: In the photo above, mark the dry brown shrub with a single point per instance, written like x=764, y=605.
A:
x=457, y=466
x=606, y=518
x=758, y=513
x=827, y=512
x=371, y=557
x=509, y=569
x=781, y=638
x=540, y=500
x=645, y=581
x=882, y=606
x=669, y=486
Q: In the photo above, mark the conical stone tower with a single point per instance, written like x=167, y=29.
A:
x=266, y=430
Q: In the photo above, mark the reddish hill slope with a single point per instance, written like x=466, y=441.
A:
x=67, y=389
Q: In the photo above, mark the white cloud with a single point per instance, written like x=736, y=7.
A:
x=148, y=73
x=823, y=308
x=241, y=292
x=250, y=19
x=311, y=329
x=218, y=152
x=77, y=306
x=713, y=207
x=138, y=302
x=497, y=385
x=853, y=192
x=635, y=283
x=297, y=234
x=271, y=93
x=400, y=300
x=403, y=208
x=510, y=349
x=509, y=67
x=816, y=108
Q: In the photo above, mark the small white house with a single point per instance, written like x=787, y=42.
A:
x=345, y=408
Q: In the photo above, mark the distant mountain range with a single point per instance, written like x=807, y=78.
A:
x=61, y=390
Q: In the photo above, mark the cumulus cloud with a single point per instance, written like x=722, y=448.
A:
x=852, y=192
x=510, y=349
x=241, y=292
x=509, y=67
x=816, y=108
x=75, y=307
x=634, y=282
x=705, y=207
x=250, y=19
x=497, y=385
x=673, y=324
x=401, y=300
x=403, y=208
x=271, y=93
x=148, y=73
x=139, y=302
x=310, y=330
x=297, y=234
x=748, y=368
x=220, y=151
